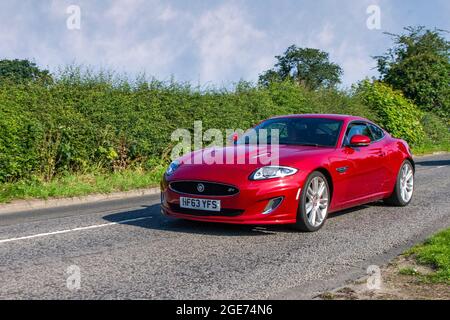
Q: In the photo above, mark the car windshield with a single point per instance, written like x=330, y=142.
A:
x=319, y=132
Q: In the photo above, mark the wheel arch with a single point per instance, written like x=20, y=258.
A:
x=410, y=159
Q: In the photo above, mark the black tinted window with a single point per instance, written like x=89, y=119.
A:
x=377, y=132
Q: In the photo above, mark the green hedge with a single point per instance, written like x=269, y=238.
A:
x=82, y=122
x=394, y=112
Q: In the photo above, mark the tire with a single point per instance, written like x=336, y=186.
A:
x=312, y=201
x=403, y=190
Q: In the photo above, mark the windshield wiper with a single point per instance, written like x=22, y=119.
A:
x=311, y=144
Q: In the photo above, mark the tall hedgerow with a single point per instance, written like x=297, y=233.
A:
x=394, y=112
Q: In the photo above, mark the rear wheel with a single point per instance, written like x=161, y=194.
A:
x=314, y=202
x=404, y=186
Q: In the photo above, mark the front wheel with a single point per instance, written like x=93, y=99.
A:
x=404, y=186
x=314, y=202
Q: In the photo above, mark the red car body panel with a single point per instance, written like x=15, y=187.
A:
x=370, y=174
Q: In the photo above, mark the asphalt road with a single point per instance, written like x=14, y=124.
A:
x=127, y=250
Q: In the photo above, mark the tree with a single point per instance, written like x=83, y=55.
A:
x=22, y=70
x=419, y=65
x=400, y=116
x=306, y=66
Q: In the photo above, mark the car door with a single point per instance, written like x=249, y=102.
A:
x=380, y=144
x=358, y=170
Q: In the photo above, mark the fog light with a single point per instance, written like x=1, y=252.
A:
x=272, y=205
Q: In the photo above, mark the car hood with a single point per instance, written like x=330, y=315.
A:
x=237, y=162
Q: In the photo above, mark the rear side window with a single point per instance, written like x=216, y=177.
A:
x=377, y=133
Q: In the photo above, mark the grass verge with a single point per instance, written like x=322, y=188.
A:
x=435, y=253
x=421, y=273
x=430, y=148
x=72, y=185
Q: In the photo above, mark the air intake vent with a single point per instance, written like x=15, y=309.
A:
x=201, y=188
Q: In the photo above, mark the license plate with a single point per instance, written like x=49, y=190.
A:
x=200, y=204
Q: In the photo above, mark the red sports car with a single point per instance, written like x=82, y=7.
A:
x=319, y=164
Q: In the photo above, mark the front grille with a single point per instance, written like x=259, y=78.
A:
x=223, y=212
x=203, y=188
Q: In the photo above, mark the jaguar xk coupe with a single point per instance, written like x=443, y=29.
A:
x=317, y=165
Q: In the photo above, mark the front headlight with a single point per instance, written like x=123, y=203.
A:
x=173, y=166
x=270, y=172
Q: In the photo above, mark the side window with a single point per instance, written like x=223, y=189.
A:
x=376, y=132
x=357, y=128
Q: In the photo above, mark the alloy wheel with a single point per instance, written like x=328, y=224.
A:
x=316, y=201
x=406, y=182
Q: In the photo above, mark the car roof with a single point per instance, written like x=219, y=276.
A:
x=323, y=116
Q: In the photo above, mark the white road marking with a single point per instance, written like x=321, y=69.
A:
x=72, y=230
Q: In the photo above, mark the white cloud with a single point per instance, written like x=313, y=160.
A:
x=228, y=42
x=326, y=35
x=123, y=35
x=347, y=40
x=123, y=12
x=356, y=62
x=168, y=14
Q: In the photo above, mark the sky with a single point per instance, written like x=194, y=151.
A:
x=208, y=42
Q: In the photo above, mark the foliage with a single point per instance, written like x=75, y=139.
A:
x=436, y=130
x=83, y=120
x=19, y=71
x=419, y=65
x=395, y=113
x=306, y=66
x=437, y=135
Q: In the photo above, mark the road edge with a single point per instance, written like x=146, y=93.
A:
x=33, y=204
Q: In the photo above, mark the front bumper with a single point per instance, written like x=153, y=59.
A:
x=246, y=207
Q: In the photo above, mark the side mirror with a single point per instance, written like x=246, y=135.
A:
x=359, y=140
